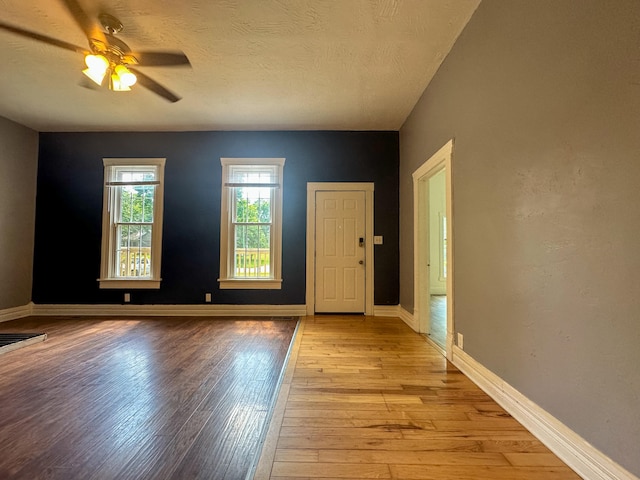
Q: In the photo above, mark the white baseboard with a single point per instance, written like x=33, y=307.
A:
x=15, y=312
x=587, y=461
x=386, y=310
x=396, y=311
x=409, y=319
x=192, y=310
x=172, y=310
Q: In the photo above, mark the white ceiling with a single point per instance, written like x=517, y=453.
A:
x=256, y=64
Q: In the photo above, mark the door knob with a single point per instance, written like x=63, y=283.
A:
x=361, y=262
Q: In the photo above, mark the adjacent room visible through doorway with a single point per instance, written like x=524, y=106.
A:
x=433, y=259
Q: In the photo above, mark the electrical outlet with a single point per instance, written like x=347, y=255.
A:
x=207, y=297
x=377, y=239
x=460, y=341
x=127, y=297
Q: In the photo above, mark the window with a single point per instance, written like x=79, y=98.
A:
x=443, y=246
x=132, y=222
x=251, y=223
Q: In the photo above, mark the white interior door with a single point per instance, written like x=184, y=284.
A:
x=340, y=251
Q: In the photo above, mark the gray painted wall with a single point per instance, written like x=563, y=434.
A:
x=18, y=165
x=543, y=101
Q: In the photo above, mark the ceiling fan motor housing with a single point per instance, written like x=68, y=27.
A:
x=116, y=51
x=110, y=23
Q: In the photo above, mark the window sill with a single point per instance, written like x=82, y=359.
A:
x=129, y=283
x=252, y=284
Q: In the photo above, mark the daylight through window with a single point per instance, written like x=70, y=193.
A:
x=251, y=223
x=132, y=223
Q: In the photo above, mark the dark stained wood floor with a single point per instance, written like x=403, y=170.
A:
x=160, y=398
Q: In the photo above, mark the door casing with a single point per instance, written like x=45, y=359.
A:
x=441, y=159
x=312, y=188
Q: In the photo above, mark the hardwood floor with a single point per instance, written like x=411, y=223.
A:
x=367, y=397
x=161, y=398
x=438, y=319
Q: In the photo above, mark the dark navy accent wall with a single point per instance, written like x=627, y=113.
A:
x=69, y=209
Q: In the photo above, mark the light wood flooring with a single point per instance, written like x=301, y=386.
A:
x=161, y=398
x=367, y=397
x=438, y=319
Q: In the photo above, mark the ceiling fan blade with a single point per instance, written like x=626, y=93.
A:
x=42, y=38
x=154, y=86
x=161, y=59
x=90, y=27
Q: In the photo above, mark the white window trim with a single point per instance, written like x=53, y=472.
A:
x=106, y=280
x=226, y=281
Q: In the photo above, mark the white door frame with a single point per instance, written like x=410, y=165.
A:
x=312, y=188
x=442, y=158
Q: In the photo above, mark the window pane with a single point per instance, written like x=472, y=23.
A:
x=241, y=236
x=132, y=239
x=136, y=203
x=252, y=262
x=264, y=236
x=252, y=253
x=148, y=193
x=123, y=236
x=133, y=254
x=145, y=236
x=252, y=205
x=247, y=236
x=443, y=238
x=253, y=174
x=241, y=206
x=135, y=174
x=263, y=206
x=252, y=236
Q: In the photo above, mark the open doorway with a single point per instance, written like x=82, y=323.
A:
x=433, y=272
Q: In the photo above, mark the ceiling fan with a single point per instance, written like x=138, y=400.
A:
x=110, y=62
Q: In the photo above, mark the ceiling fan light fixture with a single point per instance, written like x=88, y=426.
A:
x=106, y=52
x=115, y=84
x=98, y=63
x=125, y=76
x=96, y=76
x=97, y=66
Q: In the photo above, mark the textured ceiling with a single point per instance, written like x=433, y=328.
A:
x=256, y=64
